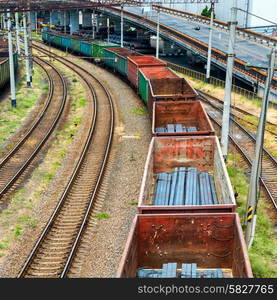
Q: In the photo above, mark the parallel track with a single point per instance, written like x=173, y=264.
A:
x=245, y=143
x=17, y=160
x=237, y=112
x=55, y=249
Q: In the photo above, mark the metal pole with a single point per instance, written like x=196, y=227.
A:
x=4, y=21
x=50, y=20
x=64, y=21
x=27, y=55
x=108, y=25
x=17, y=34
x=93, y=23
x=228, y=83
x=210, y=45
x=252, y=199
x=29, y=28
x=36, y=22
x=11, y=62
x=121, y=27
x=158, y=34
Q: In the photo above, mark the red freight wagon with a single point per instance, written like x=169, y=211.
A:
x=185, y=174
x=151, y=73
x=180, y=118
x=212, y=243
x=137, y=62
x=170, y=89
x=158, y=72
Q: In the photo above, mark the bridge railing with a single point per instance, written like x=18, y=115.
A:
x=217, y=55
x=213, y=80
x=243, y=32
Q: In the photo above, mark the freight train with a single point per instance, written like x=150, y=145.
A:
x=5, y=69
x=186, y=224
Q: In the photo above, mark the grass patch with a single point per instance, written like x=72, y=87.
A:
x=101, y=216
x=19, y=214
x=17, y=231
x=82, y=102
x=263, y=253
x=3, y=246
x=140, y=111
x=11, y=118
x=133, y=203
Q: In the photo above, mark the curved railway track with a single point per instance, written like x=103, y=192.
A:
x=17, y=160
x=239, y=112
x=244, y=141
x=56, y=247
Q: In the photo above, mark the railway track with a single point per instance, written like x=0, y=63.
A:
x=239, y=113
x=17, y=160
x=56, y=247
x=244, y=141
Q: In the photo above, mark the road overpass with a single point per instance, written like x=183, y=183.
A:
x=179, y=27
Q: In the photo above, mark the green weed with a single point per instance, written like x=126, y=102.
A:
x=101, y=216
x=264, y=249
x=139, y=111
x=17, y=231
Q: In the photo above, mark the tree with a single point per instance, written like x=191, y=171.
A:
x=206, y=12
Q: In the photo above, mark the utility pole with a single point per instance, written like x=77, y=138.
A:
x=27, y=54
x=158, y=34
x=208, y=71
x=11, y=62
x=29, y=28
x=228, y=82
x=17, y=34
x=121, y=27
x=252, y=199
x=93, y=24
x=64, y=21
x=108, y=25
x=36, y=22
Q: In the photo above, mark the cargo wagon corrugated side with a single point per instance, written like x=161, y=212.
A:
x=193, y=170
x=211, y=242
x=187, y=117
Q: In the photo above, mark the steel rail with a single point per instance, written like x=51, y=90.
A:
x=34, y=125
x=79, y=164
x=204, y=94
x=18, y=146
x=243, y=152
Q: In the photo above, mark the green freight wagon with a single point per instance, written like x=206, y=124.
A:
x=98, y=48
x=85, y=48
x=55, y=40
x=143, y=87
x=122, y=65
x=75, y=45
x=66, y=42
x=122, y=62
x=110, y=56
x=5, y=69
x=15, y=60
x=44, y=36
x=113, y=55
